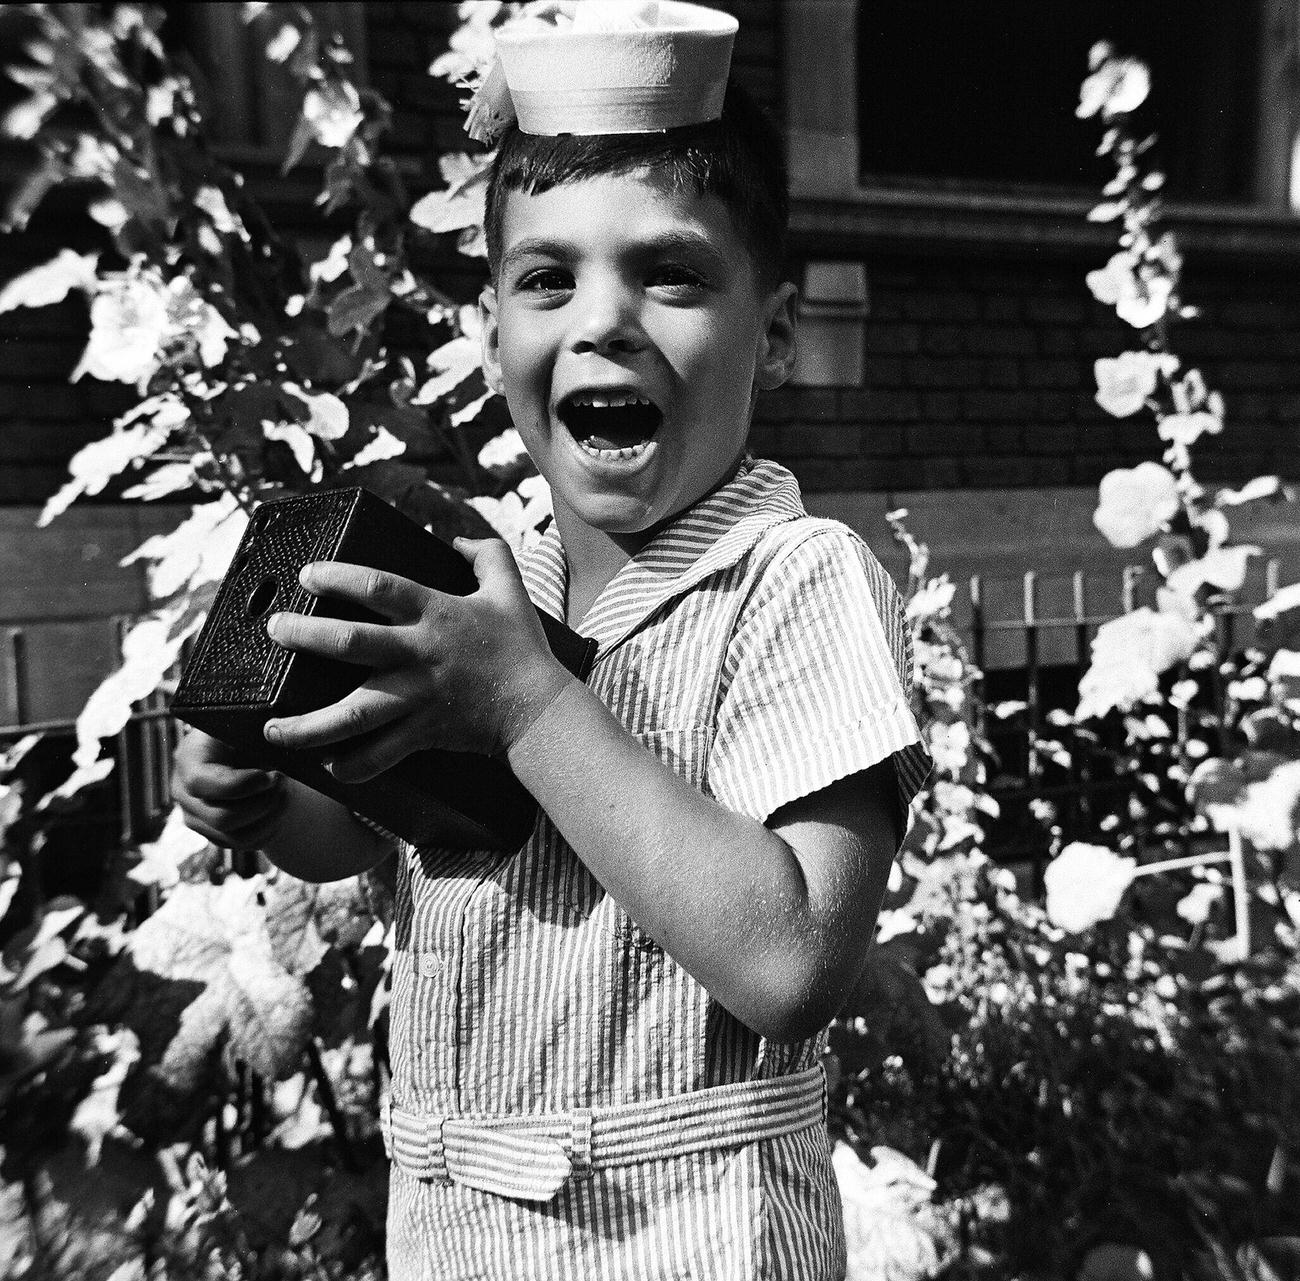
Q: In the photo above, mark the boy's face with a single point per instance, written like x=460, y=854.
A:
x=629, y=334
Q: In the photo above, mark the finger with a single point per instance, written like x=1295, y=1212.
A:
x=218, y=784
x=391, y=595
x=366, y=644
x=360, y=712
x=375, y=754
x=226, y=824
x=492, y=561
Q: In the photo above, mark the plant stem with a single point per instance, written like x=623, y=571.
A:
x=330, y=1103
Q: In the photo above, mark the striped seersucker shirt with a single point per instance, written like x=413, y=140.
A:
x=566, y=1101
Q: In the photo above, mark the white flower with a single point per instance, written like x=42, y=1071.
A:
x=932, y=599
x=283, y=43
x=137, y=321
x=949, y=745
x=160, y=102
x=1134, y=503
x=128, y=326
x=25, y=119
x=1157, y=638
x=197, y=327
x=1148, y=301
x=1118, y=86
x=1115, y=280
x=1085, y=884
x=1187, y=429
x=1196, y=906
x=1224, y=568
x=1125, y=381
x=213, y=203
x=1128, y=655
x=1286, y=663
x=109, y=213
x=332, y=112
x=892, y=1232
x=51, y=282
x=1269, y=813
x=1114, y=684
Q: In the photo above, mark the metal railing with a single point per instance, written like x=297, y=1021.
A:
x=1029, y=764
x=1040, y=756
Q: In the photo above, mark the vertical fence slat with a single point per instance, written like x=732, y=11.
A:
x=16, y=644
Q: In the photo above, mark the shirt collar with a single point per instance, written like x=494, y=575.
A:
x=708, y=537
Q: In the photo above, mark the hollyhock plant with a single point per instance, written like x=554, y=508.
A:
x=1085, y=884
x=1135, y=503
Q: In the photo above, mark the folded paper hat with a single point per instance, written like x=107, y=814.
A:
x=606, y=66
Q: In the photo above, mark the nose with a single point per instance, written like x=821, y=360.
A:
x=607, y=318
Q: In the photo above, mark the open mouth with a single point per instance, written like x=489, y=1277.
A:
x=614, y=424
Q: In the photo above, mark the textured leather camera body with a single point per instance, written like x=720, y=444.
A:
x=237, y=678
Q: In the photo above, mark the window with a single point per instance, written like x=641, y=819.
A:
x=252, y=103
x=985, y=90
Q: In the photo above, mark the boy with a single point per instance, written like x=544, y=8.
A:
x=605, y=1046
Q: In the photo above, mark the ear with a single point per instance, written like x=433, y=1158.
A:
x=777, y=346
x=490, y=338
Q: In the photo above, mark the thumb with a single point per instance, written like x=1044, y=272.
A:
x=491, y=560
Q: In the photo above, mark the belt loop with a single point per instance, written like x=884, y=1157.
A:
x=580, y=1144
x=435, y=1150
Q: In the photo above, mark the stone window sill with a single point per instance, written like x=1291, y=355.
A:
x=949, y=218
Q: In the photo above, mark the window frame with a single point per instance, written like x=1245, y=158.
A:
x=834, y=210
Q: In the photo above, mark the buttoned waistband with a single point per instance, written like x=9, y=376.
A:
x=532, y=1157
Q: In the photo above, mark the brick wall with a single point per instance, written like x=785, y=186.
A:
x=978, y=365
x=979, y=374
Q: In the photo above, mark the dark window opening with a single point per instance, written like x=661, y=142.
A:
x=986, y=90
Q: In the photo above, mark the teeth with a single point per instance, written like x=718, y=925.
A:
x=632, y=451
x=610, y=400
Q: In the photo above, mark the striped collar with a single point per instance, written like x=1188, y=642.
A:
x=706, y=538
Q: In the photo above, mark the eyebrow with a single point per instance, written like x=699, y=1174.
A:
x=669, y=241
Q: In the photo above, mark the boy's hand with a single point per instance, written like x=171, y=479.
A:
x=221, y=798
x=464, y=673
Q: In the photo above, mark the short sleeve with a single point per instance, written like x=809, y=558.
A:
x=815, y=681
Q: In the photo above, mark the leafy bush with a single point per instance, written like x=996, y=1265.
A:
x=193, y=1053
x=1119, y=1067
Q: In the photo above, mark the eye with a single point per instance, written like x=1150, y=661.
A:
x=676, y=277
x=545, y=280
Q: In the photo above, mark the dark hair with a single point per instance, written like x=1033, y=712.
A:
x=738, y=159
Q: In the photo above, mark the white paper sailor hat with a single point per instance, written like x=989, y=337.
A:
x=605, y=66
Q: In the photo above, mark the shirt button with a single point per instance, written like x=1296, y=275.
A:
x=428, y=965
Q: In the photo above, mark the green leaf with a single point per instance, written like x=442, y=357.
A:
x=204, y=978
x=357, y=308
x=31, y=191
x=302, y=138
x=290, y=920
